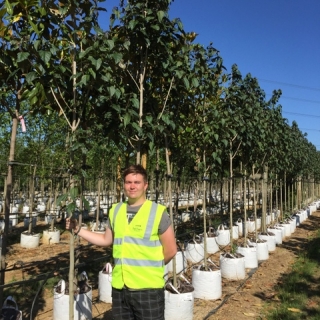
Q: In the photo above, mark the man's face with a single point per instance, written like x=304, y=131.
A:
x=134, y=186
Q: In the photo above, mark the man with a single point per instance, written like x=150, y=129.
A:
x=143, y=242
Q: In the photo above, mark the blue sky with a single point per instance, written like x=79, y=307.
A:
x=276, y=41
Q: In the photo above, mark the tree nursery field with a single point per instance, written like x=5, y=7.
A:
x=32, y=274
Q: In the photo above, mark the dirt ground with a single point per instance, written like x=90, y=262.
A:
x=240, y=299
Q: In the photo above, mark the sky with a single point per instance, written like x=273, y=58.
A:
x=276, y=41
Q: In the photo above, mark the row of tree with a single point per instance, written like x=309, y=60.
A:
x=93, y=100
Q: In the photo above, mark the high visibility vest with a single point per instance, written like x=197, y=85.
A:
x=137, y=250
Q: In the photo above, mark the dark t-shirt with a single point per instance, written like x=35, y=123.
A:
x=165, y=221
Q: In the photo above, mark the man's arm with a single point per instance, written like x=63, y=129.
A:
x=99, y=239
x=169, y=244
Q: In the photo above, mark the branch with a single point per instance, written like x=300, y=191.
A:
x=61, y=95
x=262, y=162
x=236, y=150
x=76, y=126
x=135, y=82
x=165, y=102
x=131, y=143
x=55, y=98
x=145, y=63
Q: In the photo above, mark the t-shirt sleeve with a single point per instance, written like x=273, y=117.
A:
x=164, y=223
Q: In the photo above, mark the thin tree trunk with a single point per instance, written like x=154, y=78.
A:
x=9, y=181
x=31, y=197
x=170, y=206
x=204, y=215
x=230, y=196
x=118, y=180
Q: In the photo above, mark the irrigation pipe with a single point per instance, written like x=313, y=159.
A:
x=53, y=274
x=40, y=288
x=251, y=273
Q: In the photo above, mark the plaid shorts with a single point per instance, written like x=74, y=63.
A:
x=146, y=304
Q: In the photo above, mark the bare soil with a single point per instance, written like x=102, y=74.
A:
x=241, y=300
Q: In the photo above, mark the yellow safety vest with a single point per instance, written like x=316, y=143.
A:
x=137, y=250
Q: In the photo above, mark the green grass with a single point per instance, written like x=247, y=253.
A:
x=299, y=291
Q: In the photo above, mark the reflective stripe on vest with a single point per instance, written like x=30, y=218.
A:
x=141, y=242
x=138, y=263
x=116, y=210
x=146, y=238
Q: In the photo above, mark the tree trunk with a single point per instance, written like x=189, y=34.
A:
x=170, y=206
x=230, y=198
x=118, y=180
x=9, y=181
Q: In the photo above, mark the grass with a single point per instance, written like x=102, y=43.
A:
x=299, y=291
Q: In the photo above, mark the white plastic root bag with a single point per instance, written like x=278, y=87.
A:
x=194, y=251
x=250, y=256
x=178, y=306
x=104, y=286
x=223, y=238
x=212, y=244
x=82, y=302
x=207, y=284
x=271, y=240
x=232, y=267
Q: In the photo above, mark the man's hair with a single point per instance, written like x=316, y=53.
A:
x=136, y=169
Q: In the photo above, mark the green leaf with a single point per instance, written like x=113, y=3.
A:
x=117, y=57
x=126, y=45
x=62, y=198
x=84, y=79
x=34, y=27
x=118, y=93
x=22, y=56
x=83, y=53
x=136, y=127
x=71, y=207
x=85, y=203
x=149, y=119
x=33, y=100
x=74, y=192
x=111, y=91
x=45, y=56
x=135, y=102
x=160, y=15
x=126, y=119
x=30, y=77
x=110, y=44
x=98, y=63
x=225, y=142
x=36, y=44
x=179, y=74
x=195, y=82
x=132, y=24
x=92, y=73
x=186, y=82
x=9, y=7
